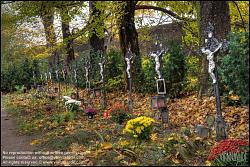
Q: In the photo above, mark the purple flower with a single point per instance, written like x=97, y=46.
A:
x=90, y=111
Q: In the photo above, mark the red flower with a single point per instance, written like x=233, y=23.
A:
x=228, y=145
x=106, y=114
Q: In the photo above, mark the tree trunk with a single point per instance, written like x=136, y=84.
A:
x=96, y=42
x=128, y=34
x=47, y=20
x=216, y=12
x=67, y=36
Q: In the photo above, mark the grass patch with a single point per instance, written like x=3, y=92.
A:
x=63, y=142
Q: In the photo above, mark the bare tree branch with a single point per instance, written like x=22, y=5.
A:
x=169, y=12
x=243, y=23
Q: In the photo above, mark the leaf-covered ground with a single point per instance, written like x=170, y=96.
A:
x=102, y=142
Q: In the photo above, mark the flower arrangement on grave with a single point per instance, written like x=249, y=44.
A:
x=139, y=128
x=230, y=152
x=91, y=112
x=66, y=98
x=72, y=105
x=118, y=113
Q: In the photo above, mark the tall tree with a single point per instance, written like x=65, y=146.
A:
x=47, y=15
x=128, y=35
x=27, y=11
x=97, y=27
x=67, y=36
x=216, y=12
x=96, y=36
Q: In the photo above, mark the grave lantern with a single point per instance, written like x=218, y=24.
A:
x=161, y=88
x=97, y=92
x=56, y=90
x=39, y=88
x=158, y=102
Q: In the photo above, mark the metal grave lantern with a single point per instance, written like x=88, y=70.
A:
x=97, y=92
x=161, y=87
x=39, y=88
x=158, y=102
x=56, y=89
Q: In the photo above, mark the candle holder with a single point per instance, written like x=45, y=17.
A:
x=158, y=102
x=97, y=92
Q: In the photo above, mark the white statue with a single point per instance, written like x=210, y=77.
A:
x=87, y=73
x=212, y=46
x=101, y=70
x=49, y=75
x=63, y=74
x=211, y=63
x=157, y=60
x=128, y=61
x=75, y=75
x=33, y=75
x=46, y=76
x=157, y=64
x=57, y=75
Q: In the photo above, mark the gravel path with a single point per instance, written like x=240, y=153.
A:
x=11, y=141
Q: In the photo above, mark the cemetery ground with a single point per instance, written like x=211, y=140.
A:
x=102, y=141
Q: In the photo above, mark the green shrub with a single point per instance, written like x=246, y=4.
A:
x=19, y=73
x=19, y=88
x=148, y=67
x=234, y=69
x=118, y=112
x=174, y=70
x=116, y=83
x=114, y=65
x=10, y=77
x=63, y=117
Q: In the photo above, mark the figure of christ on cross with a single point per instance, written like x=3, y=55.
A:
x=128, y=59
x=87, y=73
x=211, y=64
x=157, y=57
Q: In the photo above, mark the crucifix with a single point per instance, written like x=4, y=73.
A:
x=50, y=78
x=159, y=101
x=34, y=79
x=128, y=58
x=46, y=79
x=41, y=77
x=211, y=48
x=64, y=78
x=87, y=67
x=76, y=82
x=58, y=80
x=101, y=64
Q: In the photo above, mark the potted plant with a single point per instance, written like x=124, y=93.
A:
x=72, y=105
x=90, y=112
